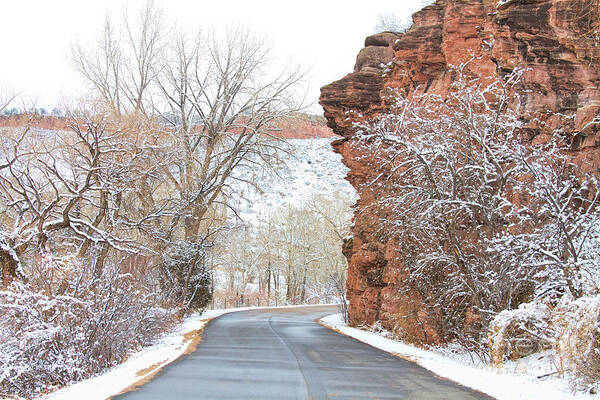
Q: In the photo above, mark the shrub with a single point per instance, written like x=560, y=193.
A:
x=57, y=331
x=521, y=332
x=577, y=324
x=187, y=279
x=493, y=230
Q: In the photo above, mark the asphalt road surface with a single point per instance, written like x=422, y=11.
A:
x=285, y=354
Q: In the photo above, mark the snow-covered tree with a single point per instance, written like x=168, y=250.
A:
x=289, y=256
x=63, y=190
x=135, y=192
x=214, y=111
x=485, y=220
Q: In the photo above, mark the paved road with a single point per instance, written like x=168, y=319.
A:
x=284, y=354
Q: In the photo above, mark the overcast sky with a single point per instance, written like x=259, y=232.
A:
x=323, y=36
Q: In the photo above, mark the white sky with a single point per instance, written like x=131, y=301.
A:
x=323, y=36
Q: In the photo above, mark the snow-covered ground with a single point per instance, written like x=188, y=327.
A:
x=143, y=364
x=513, y=381
x=139, y=366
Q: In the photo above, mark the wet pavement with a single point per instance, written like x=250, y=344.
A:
x=285, y=354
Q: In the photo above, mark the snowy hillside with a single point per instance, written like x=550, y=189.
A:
x=311, y=168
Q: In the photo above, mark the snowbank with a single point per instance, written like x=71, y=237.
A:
x=142, y=365
x=514, y=381
x=139, y=367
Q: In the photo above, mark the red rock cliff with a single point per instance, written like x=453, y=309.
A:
x=552, y=39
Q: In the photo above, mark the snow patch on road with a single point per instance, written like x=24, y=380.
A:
x=514, y=381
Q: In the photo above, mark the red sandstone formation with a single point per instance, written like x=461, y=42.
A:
x=304, y=126
x=552, y=39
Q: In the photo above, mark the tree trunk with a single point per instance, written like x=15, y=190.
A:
x=303, y=293
x=269, y=279
x=9, y=268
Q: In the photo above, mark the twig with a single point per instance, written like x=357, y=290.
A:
x=547, y=375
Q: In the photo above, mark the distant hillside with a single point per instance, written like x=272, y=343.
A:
x=305, y=126
x=298, y=126
x=311, y=168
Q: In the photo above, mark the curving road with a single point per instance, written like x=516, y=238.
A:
x=284, y=354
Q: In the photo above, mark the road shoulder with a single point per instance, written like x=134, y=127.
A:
x=512, y=382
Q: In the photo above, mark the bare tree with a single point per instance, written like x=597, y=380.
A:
x=558, y=220
x=214, y=105
x=222, y=114
x=5, y=100
x=130, y=200
x=447, y=165
x=389, y=22
x=122, y=65
x=66, y=182
x=145, y=41
x=291, y=255
x=102, y=69
x=485, y=221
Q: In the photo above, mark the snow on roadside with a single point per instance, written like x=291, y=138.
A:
x=139, y=366
x=502, y=383
x=143, y=364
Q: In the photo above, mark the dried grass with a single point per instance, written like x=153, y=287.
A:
x=577, y=324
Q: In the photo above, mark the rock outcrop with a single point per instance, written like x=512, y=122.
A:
x=555, y=41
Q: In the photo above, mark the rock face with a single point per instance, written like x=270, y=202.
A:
x=553, y=40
